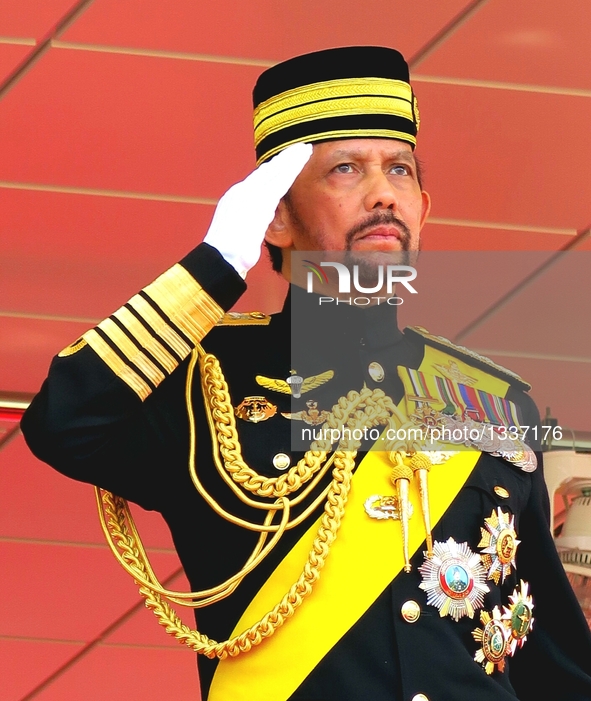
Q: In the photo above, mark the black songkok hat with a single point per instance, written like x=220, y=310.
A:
x=344, y=93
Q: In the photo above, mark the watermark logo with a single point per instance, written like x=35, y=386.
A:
x=387, y=276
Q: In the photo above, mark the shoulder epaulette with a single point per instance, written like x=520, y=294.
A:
x=244, y=319
x=468, y=355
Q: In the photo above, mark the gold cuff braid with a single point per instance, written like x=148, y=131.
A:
x=143, y=351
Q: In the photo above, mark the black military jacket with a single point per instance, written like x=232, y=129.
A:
x=91, y=426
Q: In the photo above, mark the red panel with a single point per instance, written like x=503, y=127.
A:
x=43, y=226
x=53, y=246
x=129, y=123
x=455, y=287
x=127, y=674
x=539, y=42
x=10, y=56
x=564, y=387
x=543, y=317
x=58, y=508
x=143, y=629
x=83, y=590
x=439, y=237
x=499, y=169
x=262, y=29
x=25, y=664
x=501, y=156
x=27, y=347
x=32, y=18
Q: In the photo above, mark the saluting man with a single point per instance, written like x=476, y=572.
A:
x=336, y=573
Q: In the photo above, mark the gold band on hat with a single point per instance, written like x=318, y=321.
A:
x=331, y=99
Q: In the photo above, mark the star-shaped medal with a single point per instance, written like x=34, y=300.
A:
x=499, y=544
x=454, y=579
x=494, y=637
x=518, y=616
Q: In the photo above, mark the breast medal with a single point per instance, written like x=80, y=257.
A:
x=384, y=507
x=454, y=579
x=494, y=637
x=519, y=616
x=255, y=409
x=499, y=544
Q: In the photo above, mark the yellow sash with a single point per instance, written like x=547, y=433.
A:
x=363, y=560
x=365, y=557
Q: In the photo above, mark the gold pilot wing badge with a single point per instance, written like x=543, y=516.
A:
x=452, y=371
x=295, y=384
x=313, y=416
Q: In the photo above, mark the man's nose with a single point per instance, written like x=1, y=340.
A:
x=380, y=193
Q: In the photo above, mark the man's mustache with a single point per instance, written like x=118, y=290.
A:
x=380, y=218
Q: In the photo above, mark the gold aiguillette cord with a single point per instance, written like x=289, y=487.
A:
x=420, y=464
x=401, y=476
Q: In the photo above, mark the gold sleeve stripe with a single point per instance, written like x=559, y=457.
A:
x=161, y=328
x=145, y=338
x=131, y=351
x=368, y=104
x=114, y=362
x=330, y=90
x=185, y=302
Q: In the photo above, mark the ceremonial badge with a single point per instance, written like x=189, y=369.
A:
x=426, y=418
x=499, y=543
x=454, y=579
x=313, y=417
x=381, y=508
x=494, y=637
x=295, y=384
x=518, y=616
x=255, y=409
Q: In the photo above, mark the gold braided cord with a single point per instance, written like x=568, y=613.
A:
x=115, y=522
x=149, y=579
x=357, y=410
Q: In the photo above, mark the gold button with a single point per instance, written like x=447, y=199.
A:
x=281, y=461
x=410, y=611
x=419, y=697
x=376, y=372
x=501, y=492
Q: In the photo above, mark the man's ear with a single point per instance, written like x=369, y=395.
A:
x=425, y=207
x=279, y=230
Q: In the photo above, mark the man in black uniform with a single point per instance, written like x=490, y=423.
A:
x=320, y=583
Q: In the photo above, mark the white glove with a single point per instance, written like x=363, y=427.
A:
x=245, y=211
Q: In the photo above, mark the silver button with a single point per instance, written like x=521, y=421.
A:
x=281, y=461
x=376, y=372
x=420, y=697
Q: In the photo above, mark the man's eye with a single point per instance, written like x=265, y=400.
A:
x=400, y=170
x=343, y=168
